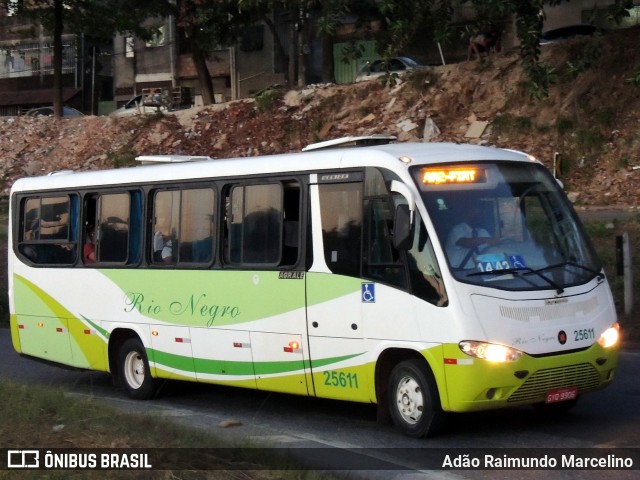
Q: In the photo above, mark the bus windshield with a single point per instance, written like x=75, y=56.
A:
x=507, y=225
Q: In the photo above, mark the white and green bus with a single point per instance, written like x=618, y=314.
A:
x=329, y=273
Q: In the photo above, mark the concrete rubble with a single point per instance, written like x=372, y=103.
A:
x=439, y=104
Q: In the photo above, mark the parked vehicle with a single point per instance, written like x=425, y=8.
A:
x=140, y=104
x=565, y=33
x=378, y=68
x=48, y=112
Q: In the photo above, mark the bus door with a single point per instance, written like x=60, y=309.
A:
x=335, y=289
x=262, y=238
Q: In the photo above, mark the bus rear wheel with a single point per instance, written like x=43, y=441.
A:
x=414, y=402
x=133, y=370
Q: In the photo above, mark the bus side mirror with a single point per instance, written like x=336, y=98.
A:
x=402, y=228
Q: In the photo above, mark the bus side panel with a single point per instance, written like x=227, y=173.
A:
x=231, y=327
x=15, y=333
x=282, y=363
x=48, y=330
x=341, y=367
x=178, y=340
x=223, y=356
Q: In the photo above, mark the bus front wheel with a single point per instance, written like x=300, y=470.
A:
x=414, y=402
x=133, y=369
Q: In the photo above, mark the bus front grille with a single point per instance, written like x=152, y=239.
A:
x=535, y=388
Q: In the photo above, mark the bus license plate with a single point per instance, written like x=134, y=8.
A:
x=562, y=394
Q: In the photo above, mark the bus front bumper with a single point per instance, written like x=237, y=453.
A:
x=474, y=384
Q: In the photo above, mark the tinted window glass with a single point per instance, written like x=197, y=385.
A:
x=341, y=214
x=183, y=226
x=254, y=224
x=49, y=229
x=113, y=230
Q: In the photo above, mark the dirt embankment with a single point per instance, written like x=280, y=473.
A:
x=589, y=122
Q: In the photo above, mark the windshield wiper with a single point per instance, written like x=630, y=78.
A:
x=518, y=271
x=598, y=274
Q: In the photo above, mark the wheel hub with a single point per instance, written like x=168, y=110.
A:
x=410, y=400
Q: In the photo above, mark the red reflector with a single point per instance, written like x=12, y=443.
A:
x=59, y=330
x=21, y=326
x=288, y=349
x=87, y=332
x=179, y=340
x=450, y=361
x=237, y=345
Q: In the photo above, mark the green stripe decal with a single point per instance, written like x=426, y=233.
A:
x=98, y=328
x=323, y=362
x=222, y=367
x=171, y=360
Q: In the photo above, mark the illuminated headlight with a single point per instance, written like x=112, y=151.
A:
x=492, y=352
x=610, y=336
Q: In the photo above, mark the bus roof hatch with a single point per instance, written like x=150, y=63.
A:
x=149, y=159
x=363, y=141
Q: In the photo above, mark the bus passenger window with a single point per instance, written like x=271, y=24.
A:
x=291, y=224
x=183, y=226
x=341, y=214
x=166, y=221
x=382, y=261
x=426, y=279
x=49, y=233
x=112, y=244
x=254, y=224
x=197, y=220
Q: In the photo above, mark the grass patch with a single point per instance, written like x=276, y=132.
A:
x=508, y=124
x=39, y=417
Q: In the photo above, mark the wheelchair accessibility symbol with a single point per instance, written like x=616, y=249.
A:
x=368, y=293
x=517, y=261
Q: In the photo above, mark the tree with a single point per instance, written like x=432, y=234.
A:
x=297, y=11
x=96, y=18
x=402, y=19
x=207, y=25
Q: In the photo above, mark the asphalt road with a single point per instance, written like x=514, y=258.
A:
x=605, y=419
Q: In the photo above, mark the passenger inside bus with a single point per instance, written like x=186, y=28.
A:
x=89, y=250
x=167, y=252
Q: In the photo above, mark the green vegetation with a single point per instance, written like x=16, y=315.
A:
x=508, y=124
x=541, y=76
x=125, y=157
x=634, y=79
x=603, y=236
x=266, y=100
x=38, y=417
x=585, y=58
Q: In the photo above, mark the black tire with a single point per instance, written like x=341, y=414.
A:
x=414, y=402
x=133, y=370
